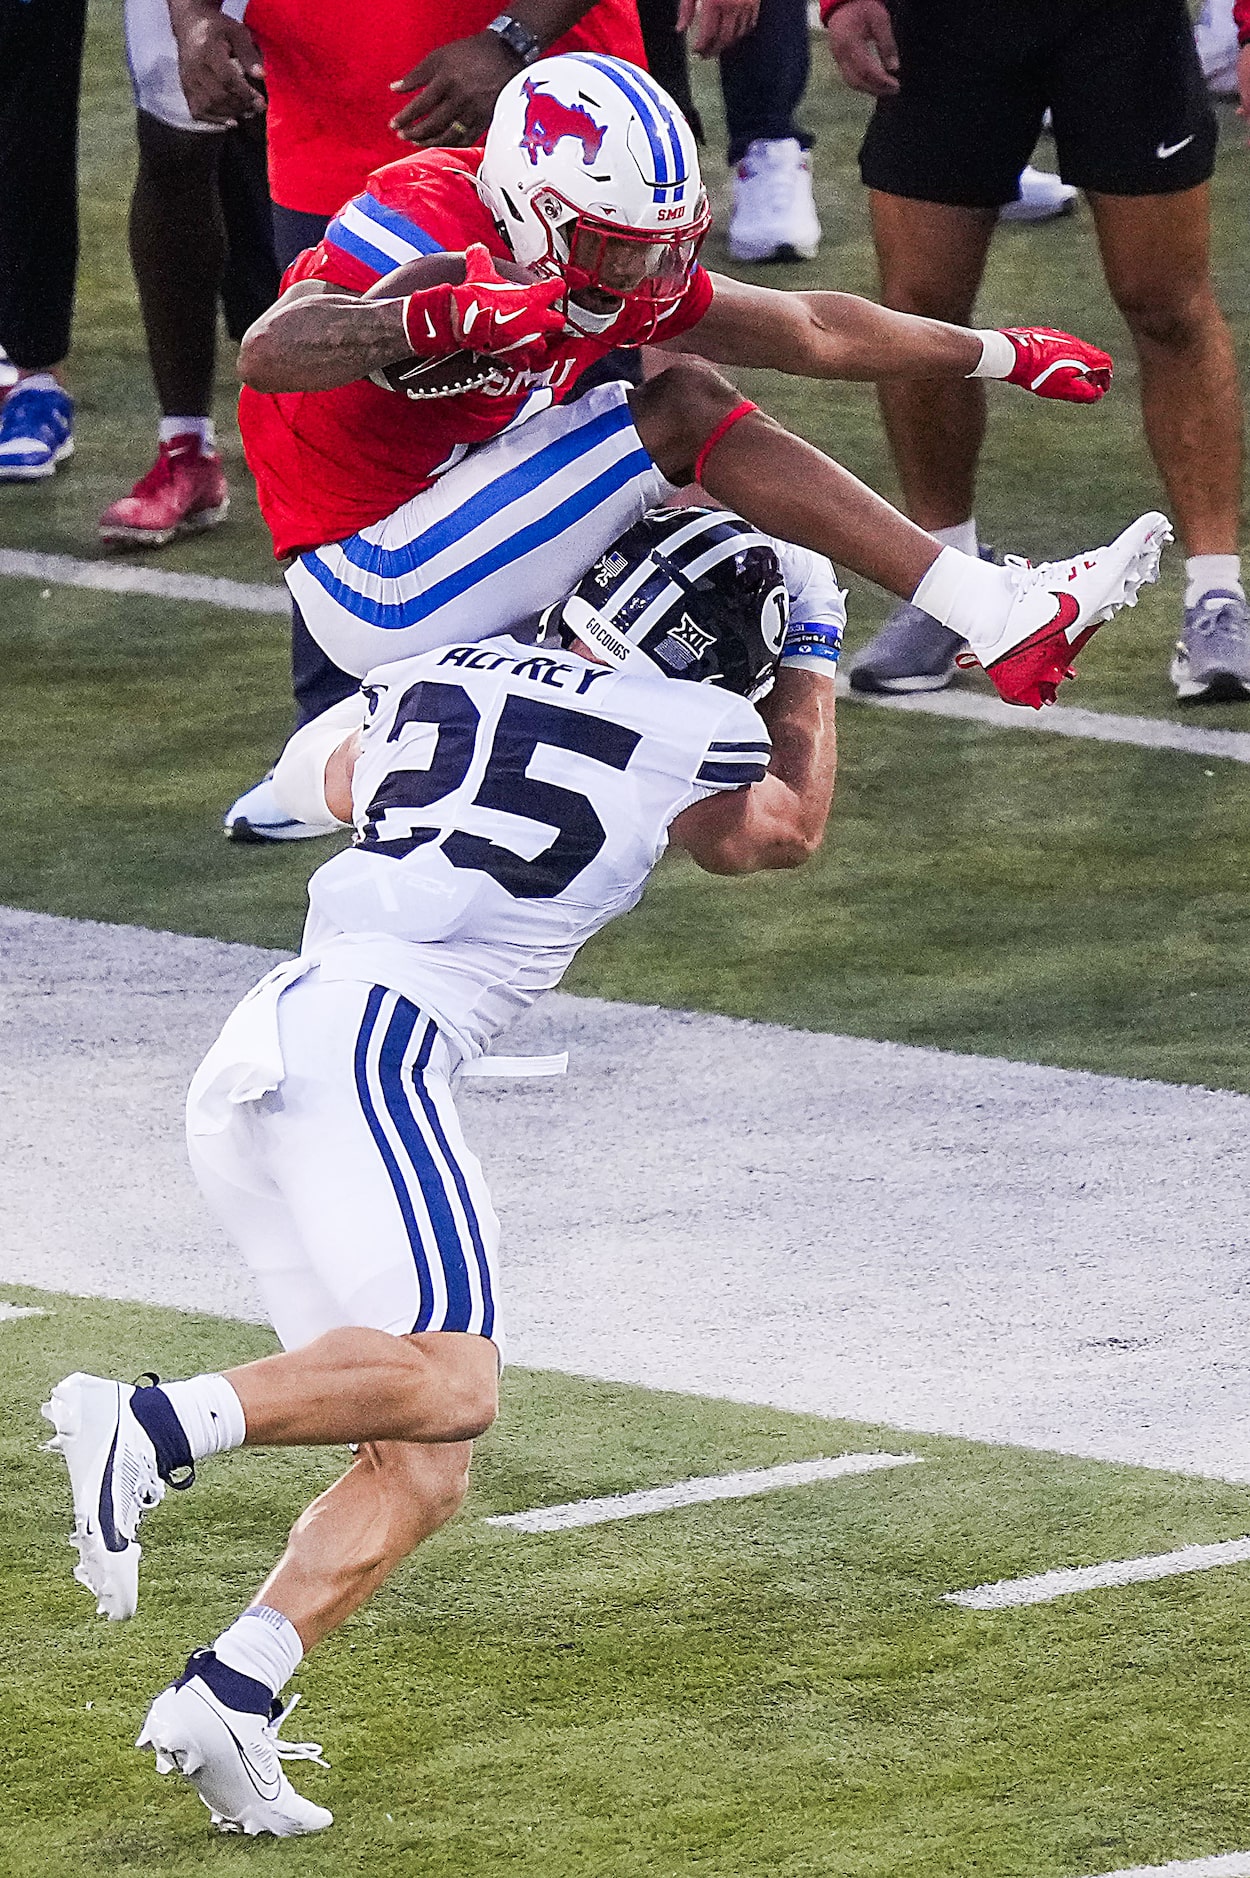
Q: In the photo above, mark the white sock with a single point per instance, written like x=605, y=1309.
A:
x=969, y=596
x=962, y=536
x=1206, y=571
x=210, y=1412
x=38, y=381
x=262, y=1644
x=201, y=427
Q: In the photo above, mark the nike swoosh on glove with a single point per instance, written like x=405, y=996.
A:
x=484, y=313
x=1058, y=365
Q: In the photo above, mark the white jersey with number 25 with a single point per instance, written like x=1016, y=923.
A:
x=508, y=802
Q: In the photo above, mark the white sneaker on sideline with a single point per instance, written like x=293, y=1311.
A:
x=1043, y=195
x=233, y=1758
x=256, y=816
x=774, y=211
x=113, y=1477
x=1058, y=606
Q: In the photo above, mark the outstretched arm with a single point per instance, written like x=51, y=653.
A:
x=838, y=335
x=779, y=822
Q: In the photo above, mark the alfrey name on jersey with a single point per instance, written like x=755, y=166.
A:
x=542, y=669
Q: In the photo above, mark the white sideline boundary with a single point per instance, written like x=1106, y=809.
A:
x=710, y=1487
x=1147, y=733
x=10, y=1311
x=1063, y=720
x=1223, y=1865
x=62, y=570
x=1009, y=1593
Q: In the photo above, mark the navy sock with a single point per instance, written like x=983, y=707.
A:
x=155, y=1414
x=228, y=1685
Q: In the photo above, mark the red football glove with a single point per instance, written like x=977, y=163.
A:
x=486, y=314
x=1055, y=365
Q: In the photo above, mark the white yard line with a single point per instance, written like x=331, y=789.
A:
x=61, y=570
x=1224, y=1865
x=1009, y=1592
x=1063, y=720
x=10, y=1311
x=1147, y=733
x=695, y=1492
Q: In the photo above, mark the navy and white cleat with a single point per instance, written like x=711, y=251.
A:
x=258, y=816
x=113, y=1478
x=233, y=1758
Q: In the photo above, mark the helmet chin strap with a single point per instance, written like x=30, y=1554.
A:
x=584, y=321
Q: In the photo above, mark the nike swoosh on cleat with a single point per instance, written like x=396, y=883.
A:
x=108, y=1531
x=243, y=1755
x=1165, y=150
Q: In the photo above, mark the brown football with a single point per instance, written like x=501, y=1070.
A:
x=457, y=371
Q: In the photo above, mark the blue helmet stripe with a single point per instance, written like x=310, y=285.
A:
x=656, y=118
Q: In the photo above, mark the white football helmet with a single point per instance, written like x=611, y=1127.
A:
x=592, y=173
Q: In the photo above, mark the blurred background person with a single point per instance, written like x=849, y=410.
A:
x=40, y=77
x=200, y=233
x=763, y=51
x=961, y=92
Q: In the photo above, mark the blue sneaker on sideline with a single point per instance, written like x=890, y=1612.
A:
x=36, y=433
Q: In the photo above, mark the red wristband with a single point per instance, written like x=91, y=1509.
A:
x=828, y=8
x=727, y=423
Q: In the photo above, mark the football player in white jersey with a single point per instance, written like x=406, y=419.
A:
x=508, y=800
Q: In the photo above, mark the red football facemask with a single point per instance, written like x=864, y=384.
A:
x=594, y=254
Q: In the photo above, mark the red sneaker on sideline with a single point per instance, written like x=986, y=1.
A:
x=183, y=492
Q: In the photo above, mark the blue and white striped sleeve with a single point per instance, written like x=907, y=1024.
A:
x=739, y=751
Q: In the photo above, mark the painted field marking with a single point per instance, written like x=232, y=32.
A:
x=1224, y=1865
x=62, y=570
x=1045, y=1586
x=1064, y=720
x=10, y=1311
x=1148, y=733
x=695, y=1492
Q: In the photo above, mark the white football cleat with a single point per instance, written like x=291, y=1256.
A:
x=258, y=816
x=233, y=1758
x=113, y=1478
x=1057, y=608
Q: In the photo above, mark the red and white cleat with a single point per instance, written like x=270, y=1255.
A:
x=183, y=492
x=1058, y=606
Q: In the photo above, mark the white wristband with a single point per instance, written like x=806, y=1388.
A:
x=998, y=356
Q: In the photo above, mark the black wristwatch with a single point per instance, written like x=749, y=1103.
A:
x=517, y=38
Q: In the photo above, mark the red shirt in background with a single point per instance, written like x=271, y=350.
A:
x=329, y=68
x=328, y=463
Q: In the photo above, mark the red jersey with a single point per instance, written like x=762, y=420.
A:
x=329, y=70
x=329, y=463
x=1241, y=18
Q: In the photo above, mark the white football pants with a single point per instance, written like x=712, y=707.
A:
x=503, y=534
x=348, y=1187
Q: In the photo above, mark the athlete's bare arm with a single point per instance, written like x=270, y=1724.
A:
x=318, y=336
x=340, y=768
x=825, y=335
x=780, y=821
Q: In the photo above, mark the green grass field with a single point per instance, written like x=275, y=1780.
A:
x=770, y=1686
x=1073, y=904
x=767, y=1687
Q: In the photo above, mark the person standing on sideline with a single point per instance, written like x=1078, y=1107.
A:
x=200, y=232
x=763, y=51
x=961, y=91
x=40, y=76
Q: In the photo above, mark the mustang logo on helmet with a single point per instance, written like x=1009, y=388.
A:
x=547, y=120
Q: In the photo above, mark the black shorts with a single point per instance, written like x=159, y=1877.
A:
x=1121, y=79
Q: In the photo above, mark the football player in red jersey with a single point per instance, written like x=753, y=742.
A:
x=410, y=522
